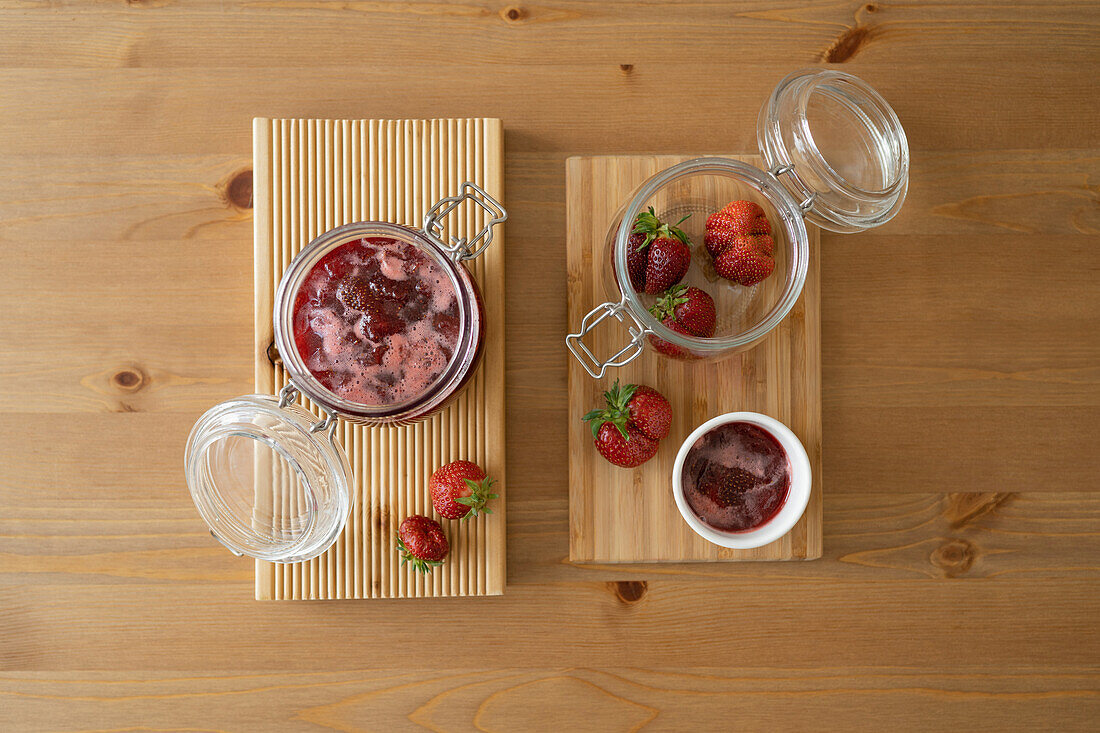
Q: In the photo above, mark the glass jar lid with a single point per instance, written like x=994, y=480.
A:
x=838, y=146
x=268, y=478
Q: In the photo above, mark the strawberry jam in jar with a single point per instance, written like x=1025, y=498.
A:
x=376, y=324
x=382, y=324
x=376, y=321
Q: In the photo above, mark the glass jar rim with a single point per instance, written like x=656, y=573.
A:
x=283, y=317
x=209, y=498
x=793, y=225
x=826, y=209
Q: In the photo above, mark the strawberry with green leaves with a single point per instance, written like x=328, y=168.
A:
x=689, y=306
x=658, y=254
x=460, y=489
x=421, y=543
x=628, y=429
x=686, y=310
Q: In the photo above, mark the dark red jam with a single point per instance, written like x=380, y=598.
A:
x=736, y=477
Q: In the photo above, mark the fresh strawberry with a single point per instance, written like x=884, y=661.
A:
x=743, y=217
x=744, y=262
x=637, y=258
x=650, y=412
x=647, y=229
x=691, y=307
x=669, y=259
x=421, y=543
x=718, y=242
x=667, y=347
x=735, y=219
x=627, y=447
x=637, y=416
x=460, y=489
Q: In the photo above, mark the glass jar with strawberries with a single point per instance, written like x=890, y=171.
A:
x=374, y=323
x=708, y=256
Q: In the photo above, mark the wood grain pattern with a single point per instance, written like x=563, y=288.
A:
x=952, y=364
x=630, y=516
x=312, y=176
x=613, y=699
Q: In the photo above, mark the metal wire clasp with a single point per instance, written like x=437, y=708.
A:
x=625, y=355
x=807, y=203
x=289, y=394
x=460, y=248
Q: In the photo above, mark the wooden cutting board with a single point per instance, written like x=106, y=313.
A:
x=311, y=176
x=619, y=515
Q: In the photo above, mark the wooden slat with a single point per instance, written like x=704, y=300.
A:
x=619, y=515
x=847, y=697
x=311, y=176
x=871, y=536
x=678, y=621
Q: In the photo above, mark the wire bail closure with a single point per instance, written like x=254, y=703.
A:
x=807, y=203
x=289, y=394
x=460, y=248
x=623, y=356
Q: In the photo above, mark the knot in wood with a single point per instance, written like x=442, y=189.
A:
x=954, y=557
x=130, y=379
x=238, y=191
x=629, y=591
x=513, y=14
x=846, y=46
x=273, y=353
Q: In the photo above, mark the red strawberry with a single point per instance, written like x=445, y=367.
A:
x=718, y=242
x=743, y=217
x=460, y=489
x=745, y=262
x=421, y=543
x=667, y=347
x=648, y=229
x=627, y=447
x=669, y=259
x=650, y=412
x=626, y=431
x=690, y=307
x=637, y=258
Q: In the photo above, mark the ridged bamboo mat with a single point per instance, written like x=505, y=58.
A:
x=311, y=176
x=619, y=515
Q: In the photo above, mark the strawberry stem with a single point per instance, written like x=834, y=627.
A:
x=617, y=411
x=665, y=306
x=480, y=495
x=647, y=223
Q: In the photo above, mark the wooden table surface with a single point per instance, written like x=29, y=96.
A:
x=960, y=585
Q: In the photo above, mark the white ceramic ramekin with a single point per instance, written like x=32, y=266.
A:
x=797, y=497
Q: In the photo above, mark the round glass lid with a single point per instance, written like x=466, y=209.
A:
x=266, y=481
x=838, y=147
